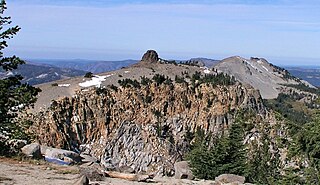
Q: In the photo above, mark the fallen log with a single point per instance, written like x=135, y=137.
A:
x=130, y=177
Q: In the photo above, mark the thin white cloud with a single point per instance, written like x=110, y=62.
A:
x=177, y=30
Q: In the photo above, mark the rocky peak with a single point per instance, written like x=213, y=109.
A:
x=259, y=73
x=151, y=56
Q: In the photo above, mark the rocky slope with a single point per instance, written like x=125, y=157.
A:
x=270, y=80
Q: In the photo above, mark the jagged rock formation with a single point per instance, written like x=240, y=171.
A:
x=151, y=56
x=149, y=59
x=146, y=129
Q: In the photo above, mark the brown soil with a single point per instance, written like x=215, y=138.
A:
x=34, y=172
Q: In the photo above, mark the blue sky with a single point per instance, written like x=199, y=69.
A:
x=283, y=31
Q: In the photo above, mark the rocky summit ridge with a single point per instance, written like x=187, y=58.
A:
x=269, y=79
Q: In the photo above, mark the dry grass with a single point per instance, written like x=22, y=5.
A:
x=67, y=171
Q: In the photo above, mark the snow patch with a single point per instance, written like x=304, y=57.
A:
x=265, y=68
x=17, y=107
x=42, y=76
x=95, y=81
x=126, y=71
x=56, y=73
x=206, y=71
x=109, y=75
x=63, y=85
x=254, y=67
x=9, y=73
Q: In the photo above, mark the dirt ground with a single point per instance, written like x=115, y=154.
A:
x=34, y=172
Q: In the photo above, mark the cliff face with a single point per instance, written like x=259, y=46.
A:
x=146, y=129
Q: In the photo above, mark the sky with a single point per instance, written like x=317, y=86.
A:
x=283, y=31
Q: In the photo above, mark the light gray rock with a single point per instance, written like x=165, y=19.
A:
x=60, y=154
x=182, y=170
x=88, y=159
x=32, y=150
x=229, y=179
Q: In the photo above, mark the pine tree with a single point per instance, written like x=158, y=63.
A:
x=236, y=150
x=14, y=96
x=228, y=155
x=264, y=166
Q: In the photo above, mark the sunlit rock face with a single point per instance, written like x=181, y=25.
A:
x=146, y=129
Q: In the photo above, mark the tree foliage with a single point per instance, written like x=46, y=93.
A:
x=14, y=96
x=228, y=155
x=264, y=163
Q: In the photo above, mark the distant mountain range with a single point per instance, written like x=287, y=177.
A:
x=38, y=71
x=41, y=73
x=86, y=65
x=310, y=73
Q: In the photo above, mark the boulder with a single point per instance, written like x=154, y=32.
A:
x=183, y=171
x=93, y=171
x=82, y=181
x=32, y=150
x=88, y=158
x=229, y=179
x=60, y=156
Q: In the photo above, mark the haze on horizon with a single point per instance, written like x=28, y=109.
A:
x=283, y=31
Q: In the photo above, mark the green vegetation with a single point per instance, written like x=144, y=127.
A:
x=226, y=156
x=284, y=104
x=113, y=87
x=258, y=160
x=101, y=91
x=88, y=75
x=191, y=63
x=263, y=165
x=179, y=80
x=14, y=96
x=213, y=79
x=303, y=128
x=169, y=62
x=306, y=144
x=145, y=80
x=304, y=87
x=129, y=83
x=159, y=79
x=286, y=74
